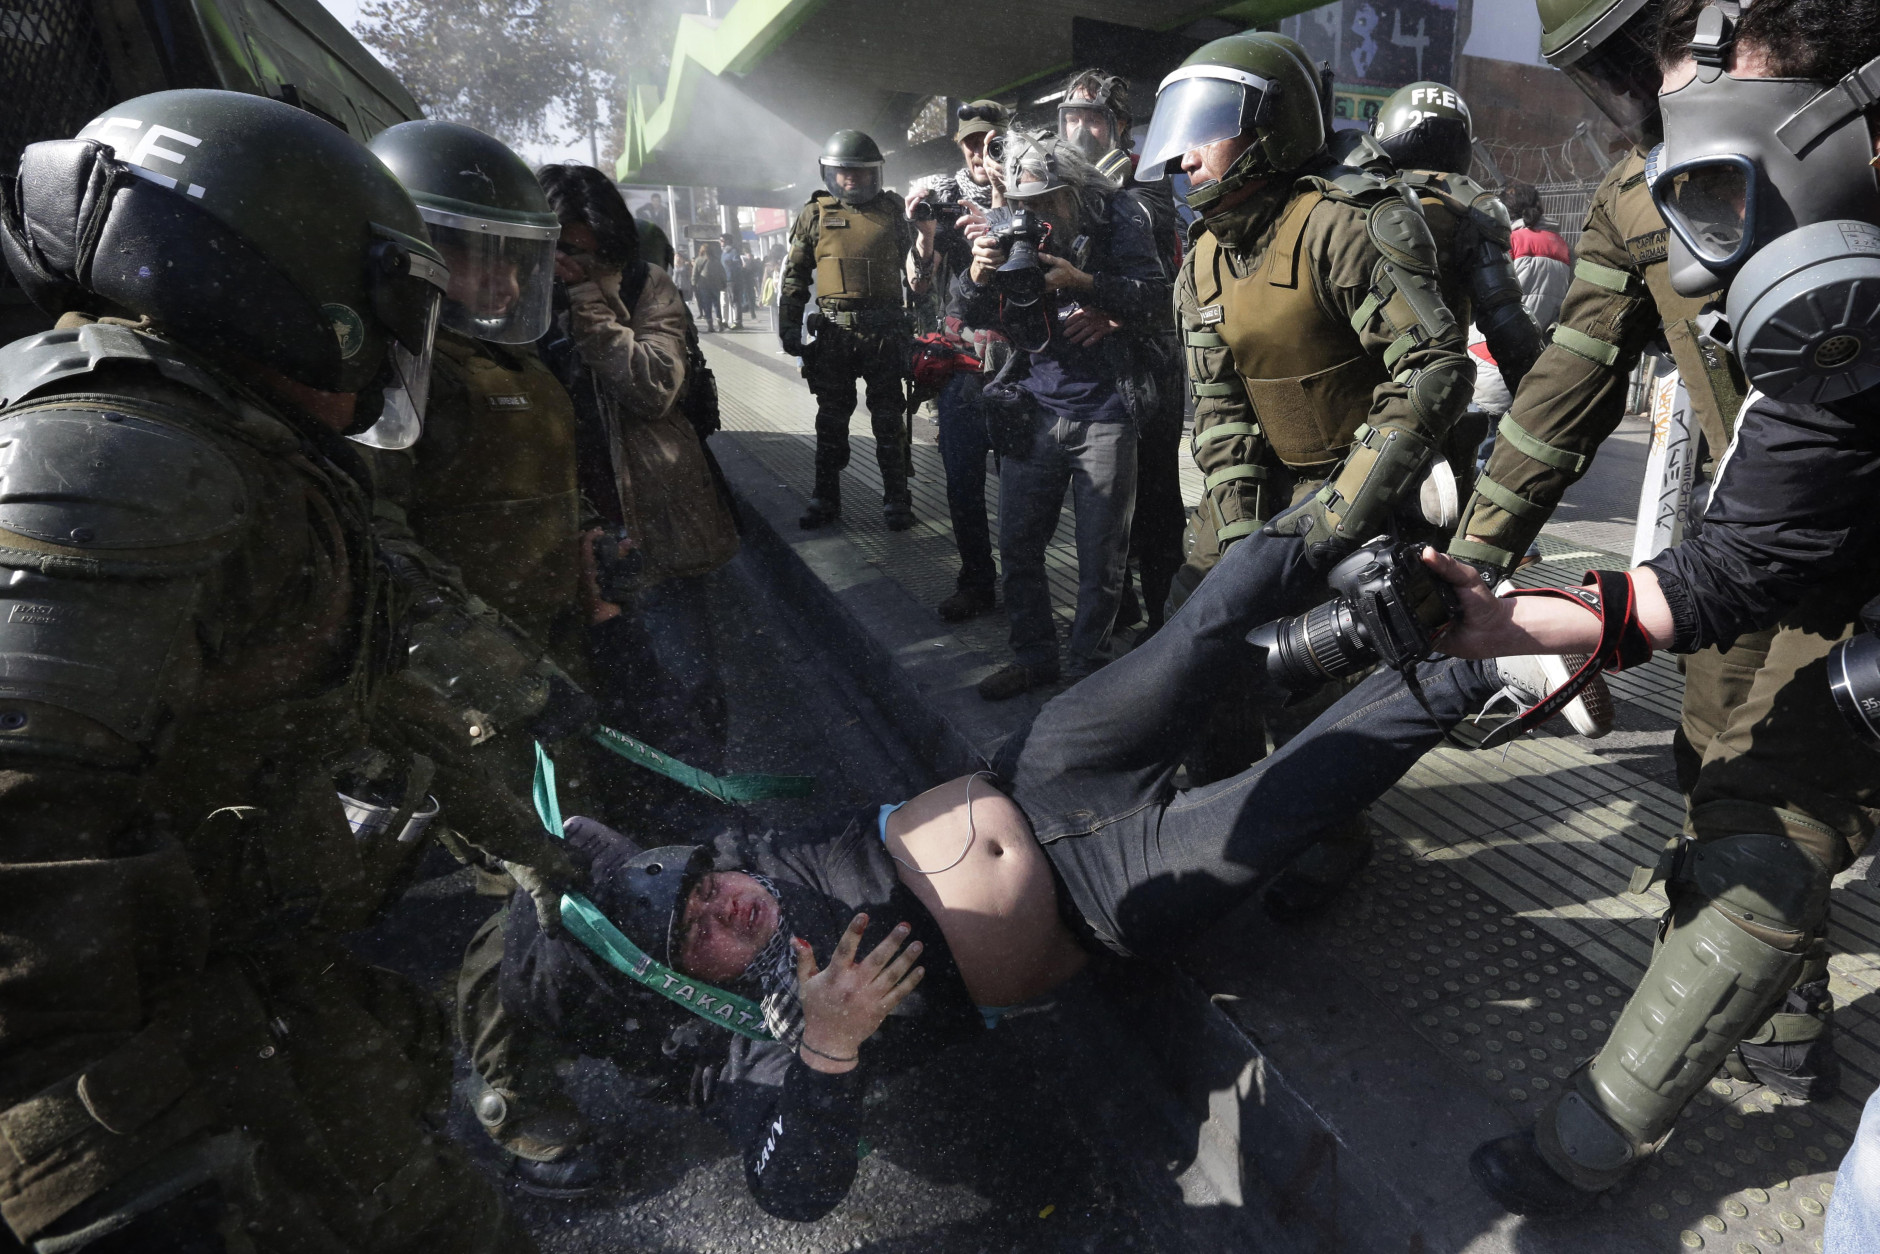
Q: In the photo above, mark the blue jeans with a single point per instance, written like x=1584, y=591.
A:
x=1097, y=461
x=963, y=449
x=1149, y=868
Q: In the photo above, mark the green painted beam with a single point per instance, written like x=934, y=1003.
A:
x=754, y=28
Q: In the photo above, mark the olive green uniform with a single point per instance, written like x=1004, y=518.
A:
x=856, y=255
x=491, y=490
x=1761, y=750
x=195, y=634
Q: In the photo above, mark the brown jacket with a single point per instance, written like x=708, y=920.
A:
x=635, y=367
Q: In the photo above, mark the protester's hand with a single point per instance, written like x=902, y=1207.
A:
x=972, y=223
x=924, y=226
x=548, y=875
x=845, y=1002
x=1487, y=620
x=1060, y=274
x=1088, y=326
x=573, y=268
x=599, y=610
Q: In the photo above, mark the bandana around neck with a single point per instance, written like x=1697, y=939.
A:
x=773, y=970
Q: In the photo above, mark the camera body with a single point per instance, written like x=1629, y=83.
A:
x=946, y=212
x=1389, y=608
x=1021, y=233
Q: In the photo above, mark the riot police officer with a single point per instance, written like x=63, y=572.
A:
x=852, y=239
x=488, y=502
x=1760, y=755
x=196, y=629
x=1429, y=135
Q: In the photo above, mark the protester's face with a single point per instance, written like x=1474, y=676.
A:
x=729, y=917
x=973, y=148
x=1089, y=129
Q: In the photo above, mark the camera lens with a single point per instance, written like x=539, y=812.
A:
x=1854, y=679
x=1314, y=648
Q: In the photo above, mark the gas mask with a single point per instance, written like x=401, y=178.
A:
x=1767, y=188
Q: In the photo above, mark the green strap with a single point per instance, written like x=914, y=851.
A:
x=1235, y=530
x=1599, y=352
x=1398, y=347
x=1233, y=474
x=1203, y=339
x=1478, y=551
x=1368, y=310
x=1489, y=490
x=1540, y=451
x=1604, y=276
x=587, y=924
x=1224, y=431
x=731, y=789
x=1212, y=389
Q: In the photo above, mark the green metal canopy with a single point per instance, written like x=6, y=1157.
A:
x=750, y=97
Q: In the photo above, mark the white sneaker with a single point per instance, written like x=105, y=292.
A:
x=1530, y=677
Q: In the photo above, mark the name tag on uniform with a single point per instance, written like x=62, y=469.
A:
x=1211, y=315
x=509, y=402
x=1650, y=248
x=831, y=223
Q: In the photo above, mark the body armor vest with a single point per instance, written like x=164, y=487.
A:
x=1710, y=374
x=1308, y=378
x=493, y=490
x=858, y=253
x=1446, y=199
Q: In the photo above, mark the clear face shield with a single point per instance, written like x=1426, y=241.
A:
x=1088, y=127
x=1621, y=77
x=502, y=276
x=1198, y=105
x=406, y=298
x=853, y=184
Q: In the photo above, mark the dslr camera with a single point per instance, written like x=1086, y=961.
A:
x=1389, y=608
x=1021, y=232
x=1854, y=676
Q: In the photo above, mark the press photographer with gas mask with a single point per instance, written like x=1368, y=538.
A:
x=1765, y=184
x=1068, y=266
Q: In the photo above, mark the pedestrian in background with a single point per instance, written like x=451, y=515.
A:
x=708, y=281
x=734, y=286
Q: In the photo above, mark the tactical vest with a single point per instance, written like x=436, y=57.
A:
x=1308, y=377
x=859, y=254
x=493, y=488
x=1710, y=374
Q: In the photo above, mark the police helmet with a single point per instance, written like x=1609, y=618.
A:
x=1426, y=126
x=853, y=158
x=1605, y=47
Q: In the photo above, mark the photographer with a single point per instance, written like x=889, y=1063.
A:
x=1782, y=798
x=1071, y=409
x=963, y=442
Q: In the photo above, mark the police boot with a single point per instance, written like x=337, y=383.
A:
x=826, y=506
x=1793, y=1051
x=1712, y=978
x=1313, y=880
x=897, y=504
x=546, y=1143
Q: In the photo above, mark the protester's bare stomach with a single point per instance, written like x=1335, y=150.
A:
x=989, y=887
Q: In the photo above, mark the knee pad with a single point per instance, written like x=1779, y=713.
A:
x=1764, y=883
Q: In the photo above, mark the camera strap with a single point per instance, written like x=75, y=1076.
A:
x=1608, y=595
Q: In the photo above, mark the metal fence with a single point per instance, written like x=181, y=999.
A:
x=1566, y=204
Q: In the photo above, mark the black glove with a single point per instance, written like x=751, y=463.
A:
x=1312, y=523
x=790, y=328
x=554, y=871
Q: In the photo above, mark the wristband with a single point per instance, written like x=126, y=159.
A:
x=831, y=1057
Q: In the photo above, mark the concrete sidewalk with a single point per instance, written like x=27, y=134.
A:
x=1349, y=1066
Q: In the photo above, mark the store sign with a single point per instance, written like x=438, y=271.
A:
x=1380, y=43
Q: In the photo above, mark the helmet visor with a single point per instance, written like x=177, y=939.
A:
x=1193, y=111
x=407, y=389
x=853, y=183
x=1711, y=204
x=1089, y=128
x=502, y=276
x=1621, y=76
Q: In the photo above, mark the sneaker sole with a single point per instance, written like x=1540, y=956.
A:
x=1590, y=713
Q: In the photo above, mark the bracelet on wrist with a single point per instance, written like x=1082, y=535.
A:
x=830, y=1057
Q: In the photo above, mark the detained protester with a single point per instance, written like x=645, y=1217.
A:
x=796, y=965
x=852, y=241
x=964, y=445
x=199, y=625
x=1765, y=185
x=1778, y=796
x=1068, y=267
x=1094, y=116
x=619, y=346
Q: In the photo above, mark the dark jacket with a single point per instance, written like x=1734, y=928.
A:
x=1791, y=510
x=1132, y=285
x=797, y=1128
